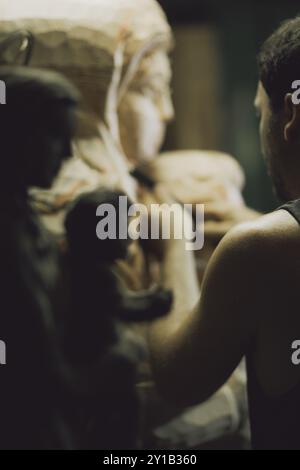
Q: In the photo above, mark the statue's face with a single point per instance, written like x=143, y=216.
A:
x=52, y=146
x=146, y=109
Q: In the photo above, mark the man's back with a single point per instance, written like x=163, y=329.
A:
x=274, y=381
x=248, y=307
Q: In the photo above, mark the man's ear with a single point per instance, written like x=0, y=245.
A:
x=292, y=118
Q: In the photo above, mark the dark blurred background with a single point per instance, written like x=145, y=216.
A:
x=215, y=79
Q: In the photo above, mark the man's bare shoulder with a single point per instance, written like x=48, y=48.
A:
x=274, y=228
x=272, y=237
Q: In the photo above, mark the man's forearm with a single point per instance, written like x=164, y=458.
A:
x=179, y=275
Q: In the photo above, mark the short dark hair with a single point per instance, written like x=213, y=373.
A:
x=279, y=61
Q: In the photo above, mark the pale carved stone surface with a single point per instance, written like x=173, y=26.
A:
x=80, y=39
x=79, y=32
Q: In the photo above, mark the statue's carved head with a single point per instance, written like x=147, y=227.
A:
x=80, y=38
x=37, y=127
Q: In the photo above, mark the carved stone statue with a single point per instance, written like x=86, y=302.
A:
x=116, y=53
x=39, y=103
x=65, y=379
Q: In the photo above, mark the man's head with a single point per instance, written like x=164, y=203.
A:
x=36, y=126
x=279, y=67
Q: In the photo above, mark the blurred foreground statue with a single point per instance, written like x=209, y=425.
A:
x=49, y=398
x=116, y=53
x=36, y=129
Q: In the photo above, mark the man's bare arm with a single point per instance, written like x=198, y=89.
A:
x=194, y=354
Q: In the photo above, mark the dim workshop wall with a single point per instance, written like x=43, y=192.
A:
x=196, y=85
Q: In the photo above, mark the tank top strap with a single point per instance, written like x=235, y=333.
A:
x=293, y=207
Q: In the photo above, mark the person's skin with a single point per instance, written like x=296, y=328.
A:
x=250, y=295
